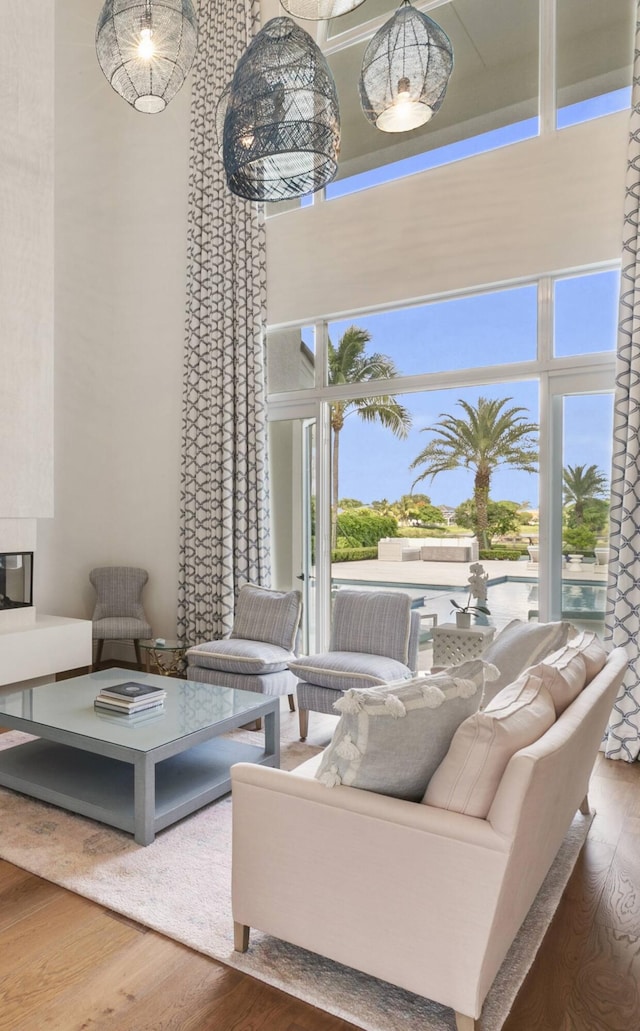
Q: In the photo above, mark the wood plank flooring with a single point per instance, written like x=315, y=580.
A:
x=586, y=976
x=67, y=964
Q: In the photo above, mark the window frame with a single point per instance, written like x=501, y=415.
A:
x=557, y=377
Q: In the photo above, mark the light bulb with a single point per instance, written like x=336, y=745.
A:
x=146, y=48
x=403, y=113
x=403, y=90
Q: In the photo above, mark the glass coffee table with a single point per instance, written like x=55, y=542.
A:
x=138, y=773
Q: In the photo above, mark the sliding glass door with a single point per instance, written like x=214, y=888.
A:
x=578, y=479
x=293, y=511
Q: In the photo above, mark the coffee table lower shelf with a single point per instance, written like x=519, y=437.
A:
x=102, y=788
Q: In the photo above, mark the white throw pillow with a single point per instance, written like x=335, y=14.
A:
x=521, y=645
x=592, y=650
x=564, y=674
x=390, y=739
x=468, y=777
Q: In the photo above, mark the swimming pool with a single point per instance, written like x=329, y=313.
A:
x=507, y=598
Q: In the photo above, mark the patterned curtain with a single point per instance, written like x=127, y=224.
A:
x=224, y=518
x=622, y=738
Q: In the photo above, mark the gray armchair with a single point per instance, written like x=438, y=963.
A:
x=374, y=640
x=118, y=614
x=255, y=656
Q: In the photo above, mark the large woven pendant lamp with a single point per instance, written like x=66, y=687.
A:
x=405, y=71
x=319, y=10
x=282, y=124
x=146, y=48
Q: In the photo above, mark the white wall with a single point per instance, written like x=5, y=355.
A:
x=120, y=274
x=120, y=260
x=26, y=263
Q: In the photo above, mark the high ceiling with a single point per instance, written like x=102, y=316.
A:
x=495, y=77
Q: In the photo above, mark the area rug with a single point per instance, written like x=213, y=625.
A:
x=180, y=886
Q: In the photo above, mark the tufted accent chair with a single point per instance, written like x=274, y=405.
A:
x=118, y=614
x=254, y=657
x=374, y=640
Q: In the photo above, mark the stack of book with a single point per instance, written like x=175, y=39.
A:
x=130, y=698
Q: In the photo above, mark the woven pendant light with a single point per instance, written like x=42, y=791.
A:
x=146, y=48
x=319, y=10
x=405, y=71
x=282, y=124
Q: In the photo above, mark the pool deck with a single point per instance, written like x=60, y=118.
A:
x=427, y=582
x=420, y=574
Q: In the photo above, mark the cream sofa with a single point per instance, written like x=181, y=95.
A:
x=424, y=898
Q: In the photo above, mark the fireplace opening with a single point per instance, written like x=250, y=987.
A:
x=16, y=579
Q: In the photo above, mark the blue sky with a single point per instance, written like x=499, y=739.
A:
x=465, y=333
x=374, y=464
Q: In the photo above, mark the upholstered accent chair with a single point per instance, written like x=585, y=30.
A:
x=374, y=640
x=256, y=654
x=118, y=614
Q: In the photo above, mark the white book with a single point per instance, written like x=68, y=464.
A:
x=105, y=702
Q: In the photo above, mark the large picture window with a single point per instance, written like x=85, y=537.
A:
x=457, y=333
x=408, y=402
x=586, y=313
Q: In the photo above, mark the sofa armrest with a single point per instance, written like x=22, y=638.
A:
x=559, y=764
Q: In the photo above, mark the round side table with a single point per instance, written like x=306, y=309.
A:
x=168, y=658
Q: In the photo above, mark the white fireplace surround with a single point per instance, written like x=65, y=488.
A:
x=52, y=644
x=35, y=647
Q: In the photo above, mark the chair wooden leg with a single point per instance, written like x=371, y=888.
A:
x=465, y=1023
x=136, y=645
x=240, y=937
x=303, y=716
x=585, y=808
x=99, y=651
x=292, y=703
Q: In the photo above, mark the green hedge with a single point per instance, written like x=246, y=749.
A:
x=422, y=531
x=353, y=554
x=578, y=540
x=361, y=528
x=506, y=554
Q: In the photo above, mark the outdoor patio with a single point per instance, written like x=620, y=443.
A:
x=512, y=591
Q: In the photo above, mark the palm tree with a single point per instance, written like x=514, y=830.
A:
x=382, y=507
x=348, y=363
x=582, y=484
x=488, y=435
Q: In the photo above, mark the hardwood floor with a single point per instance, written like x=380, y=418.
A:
x=586, y=976
x=67, y=964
